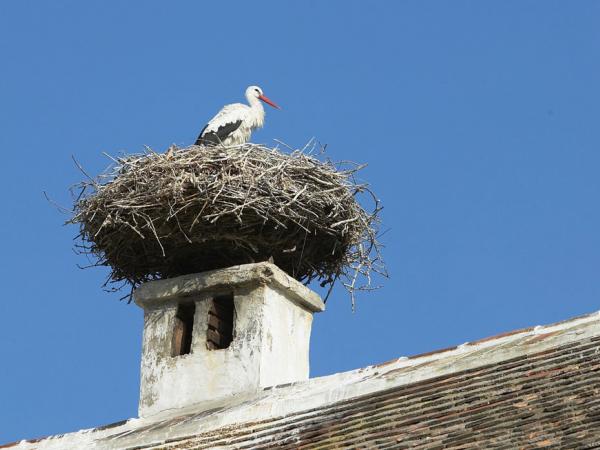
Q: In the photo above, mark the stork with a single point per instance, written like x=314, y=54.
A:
x=234, y=124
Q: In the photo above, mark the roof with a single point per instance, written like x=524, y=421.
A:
x=533, y=388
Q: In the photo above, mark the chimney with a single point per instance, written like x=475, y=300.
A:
x=213, y=334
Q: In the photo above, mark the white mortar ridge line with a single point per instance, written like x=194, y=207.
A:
x=350, y=384
x=281, y=398
x=318, y=392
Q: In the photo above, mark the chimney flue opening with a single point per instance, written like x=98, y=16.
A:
x=183, y=329
x=220, y=322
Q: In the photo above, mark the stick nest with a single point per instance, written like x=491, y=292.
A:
x=154, y=216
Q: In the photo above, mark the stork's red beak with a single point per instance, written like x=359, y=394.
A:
x=267, y=101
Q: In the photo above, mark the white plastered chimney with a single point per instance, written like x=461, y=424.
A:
x=214, y=334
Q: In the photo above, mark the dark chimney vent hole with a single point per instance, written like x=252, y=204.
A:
x=220, y=322
x=183, y=330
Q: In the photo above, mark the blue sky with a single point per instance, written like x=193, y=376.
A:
x=479, y=122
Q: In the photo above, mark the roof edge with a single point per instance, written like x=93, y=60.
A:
x=279, y=401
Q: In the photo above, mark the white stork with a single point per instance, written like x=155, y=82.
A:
x=234, y=123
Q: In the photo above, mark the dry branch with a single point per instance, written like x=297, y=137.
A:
x=154, y=215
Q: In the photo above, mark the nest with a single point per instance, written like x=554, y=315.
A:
x=154, y=215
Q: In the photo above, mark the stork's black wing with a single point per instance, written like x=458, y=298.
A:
x=217, y=136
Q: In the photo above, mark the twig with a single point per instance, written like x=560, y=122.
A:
x=154, y=215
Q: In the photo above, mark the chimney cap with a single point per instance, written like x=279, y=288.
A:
x=265, y=273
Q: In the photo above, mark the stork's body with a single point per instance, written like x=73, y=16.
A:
x=234, y=124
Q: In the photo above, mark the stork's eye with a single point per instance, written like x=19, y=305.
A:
x=257, y=91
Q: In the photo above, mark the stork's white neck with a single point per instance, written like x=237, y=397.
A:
x=257, y=117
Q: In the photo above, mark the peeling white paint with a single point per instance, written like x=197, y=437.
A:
x=318, y=392
x=245, y=406
x=273, y=319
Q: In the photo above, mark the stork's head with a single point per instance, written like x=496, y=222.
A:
x=255, y=92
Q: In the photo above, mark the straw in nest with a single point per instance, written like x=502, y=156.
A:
x=154, y=215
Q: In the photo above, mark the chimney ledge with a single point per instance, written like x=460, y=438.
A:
x=154, y=292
